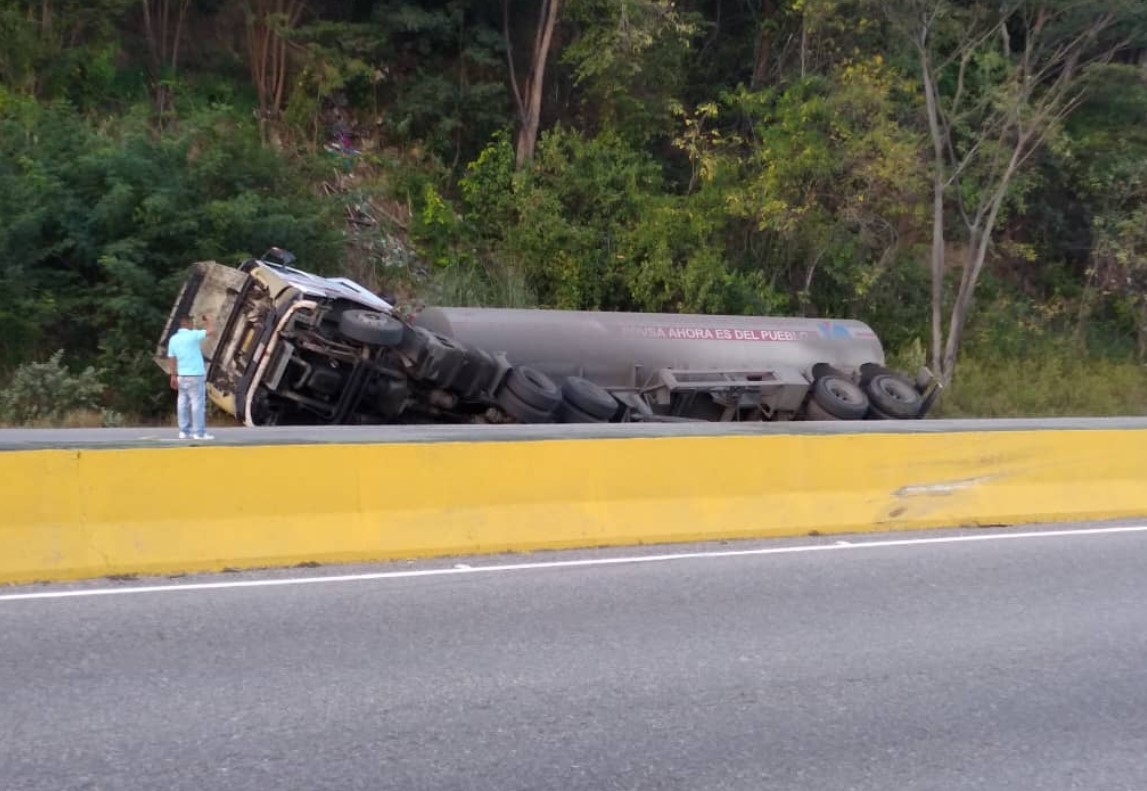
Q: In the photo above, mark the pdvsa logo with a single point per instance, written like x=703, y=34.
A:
x=831, y=329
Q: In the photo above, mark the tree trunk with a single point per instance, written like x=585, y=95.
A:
x=937, y=263
x=1141, y=335
x=1083, y=319
x=963, y=304
x=267, y=54
x=763, y=53
x=979, y=238
x=177, y=36
x=530, y=101
x=163, y=36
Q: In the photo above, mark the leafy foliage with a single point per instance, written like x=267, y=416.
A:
x=100, y=226
x=46, y=391
x=760, y=157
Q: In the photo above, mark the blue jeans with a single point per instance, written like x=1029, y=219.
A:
x=192, y=405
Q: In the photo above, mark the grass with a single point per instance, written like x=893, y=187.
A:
x=91, y=418
x=503, y=287
x=1045, y=385
x=78, y=418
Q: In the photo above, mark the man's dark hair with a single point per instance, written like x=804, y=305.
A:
x=186, y=320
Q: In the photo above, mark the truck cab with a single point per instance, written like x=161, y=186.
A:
x=291, y=347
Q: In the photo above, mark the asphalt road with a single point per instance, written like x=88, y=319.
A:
x=28, y=439
x=978, y=663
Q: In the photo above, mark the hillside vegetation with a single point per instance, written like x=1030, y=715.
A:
x=968, y=177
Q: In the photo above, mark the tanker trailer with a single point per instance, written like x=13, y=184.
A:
x=651, y=366
x=297, y=348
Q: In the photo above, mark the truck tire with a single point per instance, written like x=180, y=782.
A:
x=533, y=388
x=814, y=411
x=568, y=413
x=821, y=370
x=894, y=396
x=839, y=397
x=589, y=398
x=520, y=411
x=869, y=371
x=373, y=329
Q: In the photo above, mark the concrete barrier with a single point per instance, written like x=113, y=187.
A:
x=94, y=512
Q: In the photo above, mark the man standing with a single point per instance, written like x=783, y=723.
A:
x=189, y=376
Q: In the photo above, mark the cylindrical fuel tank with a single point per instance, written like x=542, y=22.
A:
x=622, y=350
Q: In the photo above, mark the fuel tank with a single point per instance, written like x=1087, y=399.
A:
x=622, y=350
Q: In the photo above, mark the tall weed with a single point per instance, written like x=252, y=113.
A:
x=1052, y=383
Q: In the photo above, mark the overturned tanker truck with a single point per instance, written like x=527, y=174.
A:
x=294, y=348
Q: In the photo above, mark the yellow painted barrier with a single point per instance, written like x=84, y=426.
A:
x=71, y=514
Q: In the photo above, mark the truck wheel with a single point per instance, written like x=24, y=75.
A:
x=520, y=411
x=373, y=329
x=589, y=398
x=533, y=388
x=839, y=397
x=821, y=370
x=869, y=371
x=814, y=412
x=894, y=396
x=568, y=413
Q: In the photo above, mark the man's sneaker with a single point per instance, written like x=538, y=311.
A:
x=184, y=435
x=204, y=436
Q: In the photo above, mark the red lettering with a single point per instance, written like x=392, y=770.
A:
x=718, y=334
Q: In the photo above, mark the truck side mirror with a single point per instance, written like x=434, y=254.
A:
x=277, y=255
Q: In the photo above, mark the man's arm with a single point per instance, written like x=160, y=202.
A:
x=173, y=370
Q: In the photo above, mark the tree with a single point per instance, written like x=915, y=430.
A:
x=268, y=21
x=446, y=89
x=528, y=96
x=829, y=183
x=997, y=79
x=1104, y=154
x=60, y=48
x=163, y=22
x=629, y=58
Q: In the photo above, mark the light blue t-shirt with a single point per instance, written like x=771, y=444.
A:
x=184, y=347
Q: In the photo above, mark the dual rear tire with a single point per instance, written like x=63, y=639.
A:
x=880, y=395
x=836, y=398
x=530, y=396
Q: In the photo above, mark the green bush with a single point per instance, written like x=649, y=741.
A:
x=46, y=391
x=562, y=220
x=100, y=225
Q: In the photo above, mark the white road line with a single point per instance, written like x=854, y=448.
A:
x=562, y=564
